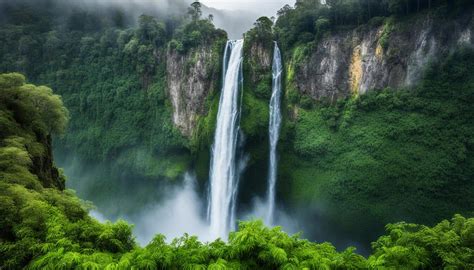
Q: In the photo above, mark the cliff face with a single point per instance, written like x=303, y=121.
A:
x=393, y=54
x=27, y=116
x=191, y=77
x=43, y=166
x=257, y=88
x=258, y=62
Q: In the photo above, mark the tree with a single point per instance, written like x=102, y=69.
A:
x=48, y=106
x=150, y=31
x=396, y=6
x=262, y=30
x=195, y=11
x=263, y=24
x=321, y=25
x=284, y=10
x=118, y=18
x=44, y=109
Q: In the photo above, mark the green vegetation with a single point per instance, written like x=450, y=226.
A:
x=387, y=155
x=113, y=80
x=407, y=246
x=257, y=90
x=113, y=88
x=196, y=33
x=47, y=228
x=392, y=154
x=365, y=161
x=112, y=77
x=28, y=116
x=257, y=85
x=388, y=27
x=309, y=20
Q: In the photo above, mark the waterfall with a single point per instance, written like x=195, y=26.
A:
x=224, y=171
x=274, y=132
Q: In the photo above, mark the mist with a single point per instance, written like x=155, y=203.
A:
x=233, y=22
x=235, y=17
x=289, y=223
x=108, y=10
x=134, y=8
x=262, y=7
x=182, y=211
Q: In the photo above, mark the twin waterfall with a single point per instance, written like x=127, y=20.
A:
x=274, y=132
x=224, y=172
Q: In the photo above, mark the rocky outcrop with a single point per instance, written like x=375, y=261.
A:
x=258, y=62
x=191, y=77
x=43, y=166
x=393, y=54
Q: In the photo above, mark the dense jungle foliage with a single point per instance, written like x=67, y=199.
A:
x=310, y=20
x=49, y=228
x=106, y=70
x=111, y=72
x=389, y=155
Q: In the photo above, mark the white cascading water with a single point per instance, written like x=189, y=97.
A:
x=274, y=132
x=223, y=172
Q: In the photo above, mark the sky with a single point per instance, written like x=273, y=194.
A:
x=264, y=7
x=236, y=23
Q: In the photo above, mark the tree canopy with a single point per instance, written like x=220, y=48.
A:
x=40, y=108
x=300, y=24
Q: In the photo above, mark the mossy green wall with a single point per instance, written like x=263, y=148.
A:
x=387, y=155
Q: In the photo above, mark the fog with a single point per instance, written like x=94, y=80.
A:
x=236, y=17
x=178, y=207
x=153, y=207
x=135, y=8
x=182, y=210
x=179, y=213
x=233, y=22
x=263, y=7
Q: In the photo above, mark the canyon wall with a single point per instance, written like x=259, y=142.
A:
x=391, y=54
x=191, y=77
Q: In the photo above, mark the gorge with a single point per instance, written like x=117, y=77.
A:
x=348, y=121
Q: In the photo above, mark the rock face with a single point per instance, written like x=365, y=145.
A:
x=258, y=61
x=351, y=62
x=191, y=77
x=43, y=166
x=390, y=55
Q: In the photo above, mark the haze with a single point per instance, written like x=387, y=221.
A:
x=262, y=7
x=238, y=16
